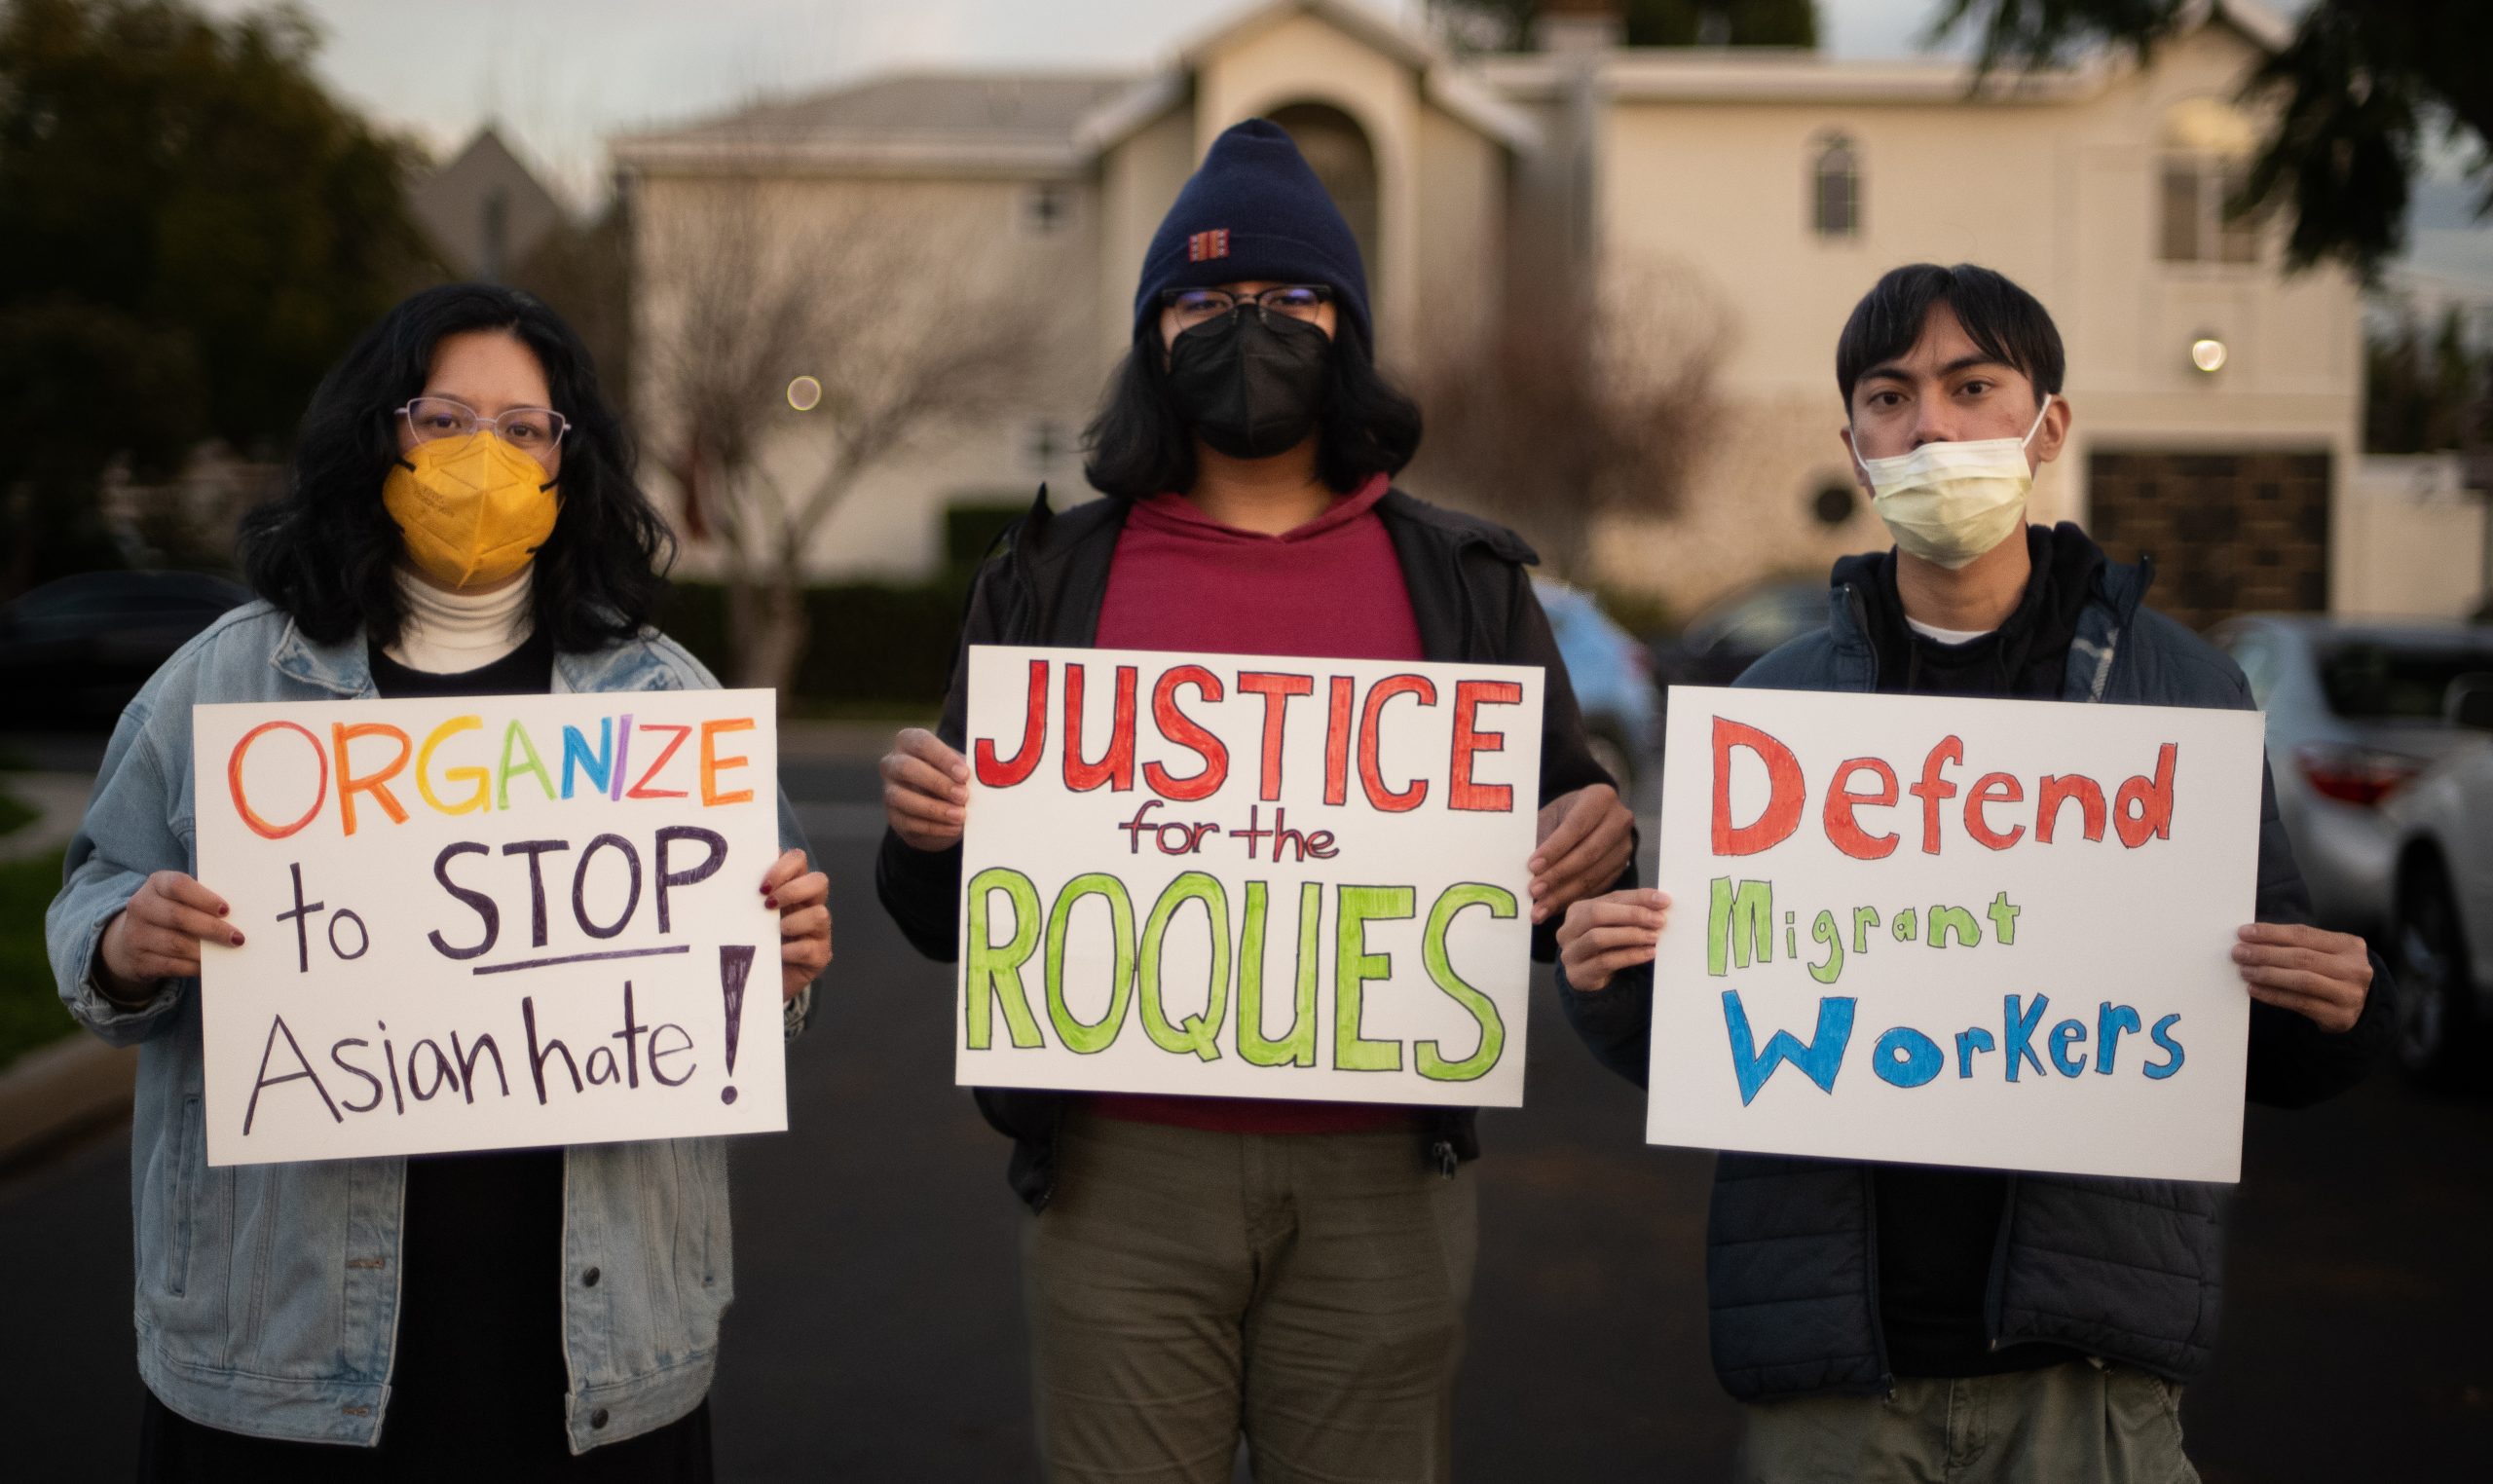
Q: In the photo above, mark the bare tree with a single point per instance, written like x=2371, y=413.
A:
x=797, y=337
x=1566, y=411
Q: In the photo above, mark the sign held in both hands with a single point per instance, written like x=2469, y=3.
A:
x=488, y=922
x=1955, y=931
x=1246, y=877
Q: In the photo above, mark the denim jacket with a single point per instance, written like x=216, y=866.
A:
x=268, y=1294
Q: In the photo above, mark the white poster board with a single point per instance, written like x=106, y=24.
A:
x=488, y=922
x=1246, y=877
x=1948, y=931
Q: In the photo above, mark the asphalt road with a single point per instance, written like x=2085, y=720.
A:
x=878, y=1334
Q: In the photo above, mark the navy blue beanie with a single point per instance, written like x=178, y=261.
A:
x=1254, y=212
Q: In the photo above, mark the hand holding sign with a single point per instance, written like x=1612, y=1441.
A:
x=157, y=933
x=2321, y=975
x=926, y=789
x=1586, y=839
x=1604, y=935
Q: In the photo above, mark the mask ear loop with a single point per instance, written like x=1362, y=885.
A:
x=2039, y=414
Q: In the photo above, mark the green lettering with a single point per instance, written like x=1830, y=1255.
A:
x=1074, y=1033
x=1493, y=1027
x=1200, y=1033
x=1354, y=966
x=996, y=969
x=1828, y=934
x=1738, y=926
x=1297, y=1048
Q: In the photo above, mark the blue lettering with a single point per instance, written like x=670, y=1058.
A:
x=2109, y=1021
x=2016, y=1037
x=1907, y=1058
x=2164, y=1069
x=1819, y=1060
x=1969, y=1042
x=2064, y=1035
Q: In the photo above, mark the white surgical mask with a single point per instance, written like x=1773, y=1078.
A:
x=1949, y=502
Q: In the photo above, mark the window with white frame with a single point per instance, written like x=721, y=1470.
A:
x=2205, y=147
x=1834, y=188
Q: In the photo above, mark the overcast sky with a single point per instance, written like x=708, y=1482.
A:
x=563, y=75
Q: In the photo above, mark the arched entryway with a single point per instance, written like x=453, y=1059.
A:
x=1338, y=150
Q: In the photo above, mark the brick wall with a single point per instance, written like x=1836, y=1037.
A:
x=2231, y=533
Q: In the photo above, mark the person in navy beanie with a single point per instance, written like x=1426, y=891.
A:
x=1205, y=1271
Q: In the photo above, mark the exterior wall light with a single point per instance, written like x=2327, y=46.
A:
x=2208, y=354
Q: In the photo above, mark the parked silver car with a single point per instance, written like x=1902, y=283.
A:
x=2355, y=712
x=2441, y=938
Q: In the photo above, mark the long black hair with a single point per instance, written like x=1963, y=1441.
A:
x=326, y=550
x=1138, y=443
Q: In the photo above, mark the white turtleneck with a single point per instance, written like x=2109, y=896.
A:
x=448, y=633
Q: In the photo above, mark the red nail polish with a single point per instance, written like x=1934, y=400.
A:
x=238, y=939
x=770, y=901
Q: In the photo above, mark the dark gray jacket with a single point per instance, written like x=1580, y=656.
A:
x=2128, y=1269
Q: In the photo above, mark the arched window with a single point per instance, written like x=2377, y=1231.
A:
x=2207, y=145
x=1834, y=189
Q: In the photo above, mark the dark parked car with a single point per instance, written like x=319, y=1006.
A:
x=1612, y=682
x=74, y=652
x=1738, y=631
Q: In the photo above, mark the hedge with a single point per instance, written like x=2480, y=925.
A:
x=873, y=643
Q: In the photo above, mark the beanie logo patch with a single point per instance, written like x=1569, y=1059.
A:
x=1204, y=247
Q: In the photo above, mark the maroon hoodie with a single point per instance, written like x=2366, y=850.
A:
x=1330, y=589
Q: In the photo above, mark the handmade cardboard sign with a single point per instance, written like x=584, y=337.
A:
x=482, y=922
x=1956, y=932
x=1247, y=876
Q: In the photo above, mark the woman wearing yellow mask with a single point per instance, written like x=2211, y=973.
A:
x=461, y=519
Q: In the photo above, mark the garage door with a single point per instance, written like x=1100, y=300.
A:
x=2231, y=533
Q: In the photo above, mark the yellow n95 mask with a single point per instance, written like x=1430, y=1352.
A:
x=1949, y=502
x=471, y=510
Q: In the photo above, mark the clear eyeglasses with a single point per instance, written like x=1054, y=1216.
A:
x=536, y=432
x=1200, y=305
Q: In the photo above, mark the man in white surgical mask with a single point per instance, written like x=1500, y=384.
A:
x=1913, y=1321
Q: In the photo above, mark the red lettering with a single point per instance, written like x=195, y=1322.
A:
x=2145, y=805
x=998, y=773
x=1785, y=792
x=1277, y=690
x=1933, y=790
x=2059, y=789
x=1370, y=778
x=1337, y=740
x=234, y=782
x=642, y=788
x=1848, y=837
x=1469, y=740
x=1180, y=728
x=1993, y=787
x=1115, y=766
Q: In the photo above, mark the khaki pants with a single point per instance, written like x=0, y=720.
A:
x=2082, y=1423
x=1303, y=1291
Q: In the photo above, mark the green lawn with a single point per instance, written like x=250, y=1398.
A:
x=14, y=813
x=31, y=1010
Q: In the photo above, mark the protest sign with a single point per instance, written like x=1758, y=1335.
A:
x=1247, y=876
x=1956, y=932
x=482, y=922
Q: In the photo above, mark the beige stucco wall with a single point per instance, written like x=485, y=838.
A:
x=2417, y=541
x=2061, y=197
